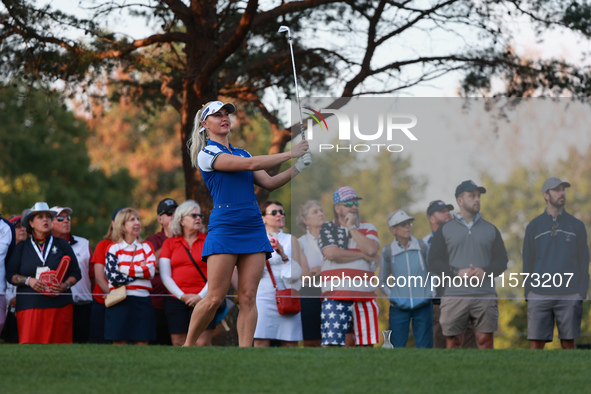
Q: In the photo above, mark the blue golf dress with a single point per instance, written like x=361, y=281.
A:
x=235, y=225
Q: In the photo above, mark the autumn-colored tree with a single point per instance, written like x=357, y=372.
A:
x=204, y=49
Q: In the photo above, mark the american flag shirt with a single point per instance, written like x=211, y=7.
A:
x=131, y=264
x=358, y=288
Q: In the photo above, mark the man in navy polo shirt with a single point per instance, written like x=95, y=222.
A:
x=556, y=257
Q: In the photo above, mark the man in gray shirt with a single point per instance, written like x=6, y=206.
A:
x=468, y=252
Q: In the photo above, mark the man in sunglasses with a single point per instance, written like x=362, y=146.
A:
x=350, y=250
x=165, y=211
x=556, y=257
x=467, y=253
x=61, y=227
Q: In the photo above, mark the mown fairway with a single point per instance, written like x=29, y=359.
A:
x=129, y=369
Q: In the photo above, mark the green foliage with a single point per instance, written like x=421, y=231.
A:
x=45, y=159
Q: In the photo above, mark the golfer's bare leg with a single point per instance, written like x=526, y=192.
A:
x=250, y=270
x=219, y=274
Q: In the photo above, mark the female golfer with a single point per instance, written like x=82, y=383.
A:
x=236, y=233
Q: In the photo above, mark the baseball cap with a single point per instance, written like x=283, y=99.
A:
x=436, y=206
x=165, y=205
x=469, y=186
x=345, y=193
x=398, y=217
x=115, y=212
x=15, y=219
x=553, y=182
x=57, y=209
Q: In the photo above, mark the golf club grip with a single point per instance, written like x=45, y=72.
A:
x=303, y=132
x=307, y=160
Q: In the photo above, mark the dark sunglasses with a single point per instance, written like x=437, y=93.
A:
x=170, y=212
x=62, y=218
x=195, y=215
x=554, y=229
x=405, y=224
x=349, y=204
x=275, y=212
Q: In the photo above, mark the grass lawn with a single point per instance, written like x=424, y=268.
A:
x=131, y=369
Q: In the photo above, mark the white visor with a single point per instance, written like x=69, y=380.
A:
x=214, y=107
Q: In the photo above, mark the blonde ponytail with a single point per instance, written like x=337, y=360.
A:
x=198, y=140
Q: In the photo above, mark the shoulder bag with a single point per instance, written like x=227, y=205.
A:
x=118, y=294
x=288, y=300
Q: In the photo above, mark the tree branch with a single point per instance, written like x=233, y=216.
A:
x=156, y=38
x=229, y=47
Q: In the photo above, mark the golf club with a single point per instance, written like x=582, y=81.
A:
x=307, y=160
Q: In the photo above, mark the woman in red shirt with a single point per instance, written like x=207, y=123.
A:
x=181, y=274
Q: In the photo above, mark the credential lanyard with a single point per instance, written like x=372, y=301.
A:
x=45, y=249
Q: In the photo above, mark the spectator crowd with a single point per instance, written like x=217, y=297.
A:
x=55, y=289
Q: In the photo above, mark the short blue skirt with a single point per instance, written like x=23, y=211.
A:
x=236, y=229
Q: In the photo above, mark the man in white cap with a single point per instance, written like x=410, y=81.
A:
x=556, y=257
x=404, y=280
x=350, y=249
x=472, y=249
x=61, y=227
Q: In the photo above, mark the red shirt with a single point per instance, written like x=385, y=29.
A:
x=184, y=273
x=99, y=256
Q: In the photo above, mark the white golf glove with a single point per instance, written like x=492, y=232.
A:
x=303, y=162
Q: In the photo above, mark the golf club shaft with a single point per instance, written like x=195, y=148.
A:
x=306, y=158
x=295, y=78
